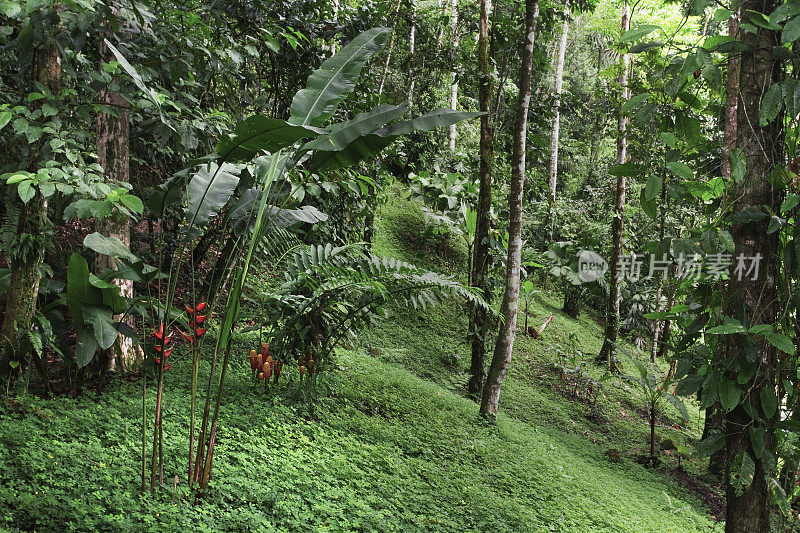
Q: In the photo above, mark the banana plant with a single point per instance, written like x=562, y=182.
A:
x=264, y=149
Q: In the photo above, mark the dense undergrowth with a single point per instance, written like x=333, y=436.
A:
x=387, y=444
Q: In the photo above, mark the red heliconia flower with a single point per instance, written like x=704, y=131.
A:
x=186, y=336
x=157, y=360
x=197, y=321
x=189, y=310
x=200, y=307
x=677, y=426
x=167, y=367
x=199, y=332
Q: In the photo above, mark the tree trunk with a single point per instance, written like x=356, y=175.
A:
x=412, y=33
x=572, y=300
x=479, y=323
x=556, y=124
x=731, y=99
x=505, y=339
x=612, y=306
x=23, y=290
x=753, y=301
x=113, y=154
x=451, y=143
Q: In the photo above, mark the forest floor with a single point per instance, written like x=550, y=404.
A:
x=389, y=443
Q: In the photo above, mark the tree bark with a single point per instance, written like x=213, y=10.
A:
x=612, y=306
x=731, y=99
x=23, y=290
x=479, y=322
x=753, y=301
x=412, y=33
x=556, y=124
x=451, y=142
x=501, y=359
x=113, y=154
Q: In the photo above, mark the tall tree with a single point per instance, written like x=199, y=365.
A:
x=753, y=299
x=505, y=339
x=113, y=154
x=615, y=286
x=451, y=141
x=556, y=124
x=479, y=322
x=23, y=290
x=412, y=34
x=714, y=415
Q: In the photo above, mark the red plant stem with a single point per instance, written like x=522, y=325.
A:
x=156, y=431
x=212, y=434
x=144, y=431
x=195, y=363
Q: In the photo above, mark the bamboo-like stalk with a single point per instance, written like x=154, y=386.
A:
x=144, y=430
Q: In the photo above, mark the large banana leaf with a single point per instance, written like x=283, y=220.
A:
x=370, y=144
x=209, y=190
x=344, y=133
x=259, y=133
x=335, y=79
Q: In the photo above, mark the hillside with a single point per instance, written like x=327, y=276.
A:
x=388, y=444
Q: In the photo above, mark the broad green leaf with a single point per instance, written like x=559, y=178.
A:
x=77, y=286
x=345, y=138
x=791, y=30
x=260, y=134
x=634, y=102
x=760, y=329
x=682, y=170
x=727, y=239
x=722, y=14
x=335, y=79
x=678, y=404
x=638, y=32
x=627, y=169
x=729, y=327
x=132, y=202
x=729, y=393
x=102, y=323
x=757, y=440
x=710, y=445
x=209, y=190
x=110, y=246
x=781, y=342
x=151, y=95
x=5, y=117
x=371, y=144
x=769, y=401
x=85, y=346
x=771, y=105
x=653, y=187
x=26, y=191
x=644, y=47
x=789, y=203
x=759, y=19
x=738, y=164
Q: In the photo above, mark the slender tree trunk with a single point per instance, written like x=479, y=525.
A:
x=412, y=33
x=23, y=290
x=505, y=339
x=612, y=307
x=715, y=416
x=479, y=322
x=451, y=143
x=113, y=154
x=556, y=124
x=753, y=301
x=731, y=99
